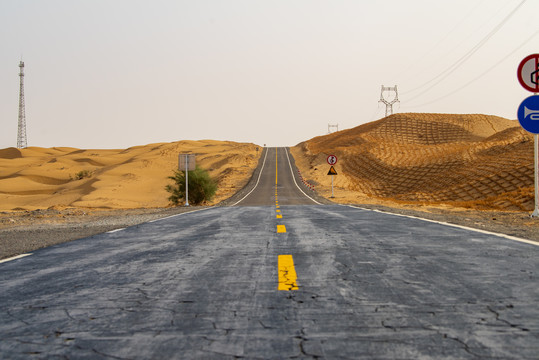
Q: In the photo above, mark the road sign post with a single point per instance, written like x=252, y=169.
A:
x=186, y=162
x=186, y=180
x=535, y=212
x=528, y=117
x=332, y=160
x=528, y=113
x=332, y=194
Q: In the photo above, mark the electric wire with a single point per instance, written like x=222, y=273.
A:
x=482, y=74
x=425, y=55
x=457, y=64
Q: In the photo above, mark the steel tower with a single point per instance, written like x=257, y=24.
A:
x=21, y=133
x=389, y=104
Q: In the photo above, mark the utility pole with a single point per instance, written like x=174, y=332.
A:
x=330, y=126
x=21, y=131
x=389, y=104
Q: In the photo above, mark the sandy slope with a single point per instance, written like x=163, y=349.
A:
x=35, y=178
x=476, y=161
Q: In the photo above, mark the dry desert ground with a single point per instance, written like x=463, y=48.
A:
x=474, y=170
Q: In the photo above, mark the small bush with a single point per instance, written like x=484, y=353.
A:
x=201, y=187
x=82, y=174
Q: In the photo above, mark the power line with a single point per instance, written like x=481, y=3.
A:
x=482, y=74
x=432, y=48
x=457, y=64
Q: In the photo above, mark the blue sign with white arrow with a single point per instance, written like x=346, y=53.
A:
x=528, y=114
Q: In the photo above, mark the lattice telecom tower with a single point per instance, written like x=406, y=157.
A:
x=389, y=104
x=21, y=132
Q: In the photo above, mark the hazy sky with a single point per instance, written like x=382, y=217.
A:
x=119, y=73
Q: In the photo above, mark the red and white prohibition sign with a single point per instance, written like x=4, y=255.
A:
x=332, y=159
x=528, y=73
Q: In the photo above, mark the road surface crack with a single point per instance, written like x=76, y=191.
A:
x=497, y=314
x=264, y=325
x=388, y=326
x=69, y=316
x=16, y=318
x=109, y=356
x=463, y=343
x=302, y=341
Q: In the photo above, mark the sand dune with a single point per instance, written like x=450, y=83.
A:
x=37, y=178
x=474, y=161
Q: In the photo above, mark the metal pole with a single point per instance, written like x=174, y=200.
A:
x=535, y=170
x=186, y=180
x=332, y=195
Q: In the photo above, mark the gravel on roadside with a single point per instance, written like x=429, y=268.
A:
x=26, y=231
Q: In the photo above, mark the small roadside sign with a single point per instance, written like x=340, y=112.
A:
x=528, y=114
x=332, y=171
x=332, y=159
x=528, y=73
x=186, y=161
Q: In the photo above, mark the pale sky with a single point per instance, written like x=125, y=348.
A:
x=120, y=73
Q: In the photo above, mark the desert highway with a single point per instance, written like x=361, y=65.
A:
x=275, y=276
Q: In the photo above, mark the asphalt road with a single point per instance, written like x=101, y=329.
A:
x=277, y=174
x=364, y=285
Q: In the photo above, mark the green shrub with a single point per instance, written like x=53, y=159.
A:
x=82, y=174
x=201, y=187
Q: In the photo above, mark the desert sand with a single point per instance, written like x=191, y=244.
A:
x=41, y=178
x=443, y=160
x=457, y=161
x=472, y=170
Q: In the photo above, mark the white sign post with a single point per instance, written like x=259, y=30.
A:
x=332, y=160
x=528, y=111
x=186, y=162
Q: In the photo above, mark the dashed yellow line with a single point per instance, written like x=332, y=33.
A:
x=287, y=273
x=276, y=168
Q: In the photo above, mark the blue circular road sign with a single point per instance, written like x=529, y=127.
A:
x=528, y=114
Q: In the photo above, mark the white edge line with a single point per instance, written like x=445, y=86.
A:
x=294, y=178
x=509, y=237
x=183, y=213
x=257, y=181
x=108, y=232
x=15, y=258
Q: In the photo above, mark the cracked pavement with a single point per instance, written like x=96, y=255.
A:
x=204, y=285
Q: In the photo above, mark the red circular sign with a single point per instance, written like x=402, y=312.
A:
x=528, y=73
x=332, y=159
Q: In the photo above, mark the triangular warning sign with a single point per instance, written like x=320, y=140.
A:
x=332, y=171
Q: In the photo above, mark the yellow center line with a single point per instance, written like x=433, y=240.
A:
x=287, y=273
x=275, y=170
